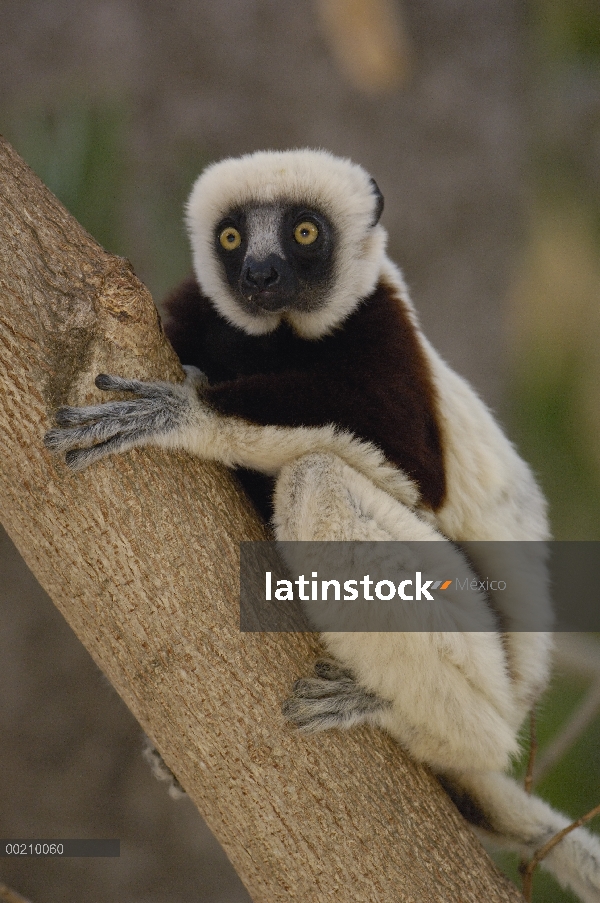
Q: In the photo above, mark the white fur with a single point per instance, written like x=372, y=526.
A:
x=456, y=699
x=263, y=223
x=523, y=824
x=491, y=495
x=339, y=189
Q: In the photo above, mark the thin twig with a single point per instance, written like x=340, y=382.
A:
x=540, y=854
x=533, y=748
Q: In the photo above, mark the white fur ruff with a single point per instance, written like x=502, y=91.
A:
x=339, y=189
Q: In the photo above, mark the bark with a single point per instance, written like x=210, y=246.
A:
x=140, y=554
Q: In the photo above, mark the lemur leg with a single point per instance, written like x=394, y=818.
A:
x=319, y=497
x=431, y=689
x=313, y=502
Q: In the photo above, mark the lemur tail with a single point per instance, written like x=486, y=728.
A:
x=505, y=814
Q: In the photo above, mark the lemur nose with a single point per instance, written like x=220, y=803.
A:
x=261, y=274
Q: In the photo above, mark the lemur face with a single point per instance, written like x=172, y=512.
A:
x=286, y=236
x=276, y=257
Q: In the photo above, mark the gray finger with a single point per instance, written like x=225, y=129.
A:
x=78, y=459
x=109, y=383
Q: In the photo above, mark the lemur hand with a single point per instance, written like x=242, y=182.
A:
x=160, y=408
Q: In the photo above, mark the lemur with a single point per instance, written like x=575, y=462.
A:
x=308, y=372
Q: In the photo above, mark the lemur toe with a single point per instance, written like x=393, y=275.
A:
x=327, y=669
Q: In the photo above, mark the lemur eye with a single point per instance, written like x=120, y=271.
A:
x=230, y=238
x=306, y=233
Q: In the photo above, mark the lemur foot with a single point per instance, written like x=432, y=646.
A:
x=331, y=699
x=90, y=433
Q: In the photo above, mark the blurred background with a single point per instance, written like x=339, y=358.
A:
x=481, y=125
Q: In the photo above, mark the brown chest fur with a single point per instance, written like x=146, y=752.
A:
x=370, y=377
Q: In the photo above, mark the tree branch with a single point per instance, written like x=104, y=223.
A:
x=140, y=554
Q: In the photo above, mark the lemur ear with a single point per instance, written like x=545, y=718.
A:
x=378, y=202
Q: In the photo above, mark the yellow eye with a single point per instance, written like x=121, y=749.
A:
x=230, y=238
x=306, y=233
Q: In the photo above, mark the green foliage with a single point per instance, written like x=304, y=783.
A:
x=82, y=152
x=545, y=405
x=553, y=380
x=567, y=30
x=79, y=153
x=167, y=256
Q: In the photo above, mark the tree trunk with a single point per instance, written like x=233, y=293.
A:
x=140, y=554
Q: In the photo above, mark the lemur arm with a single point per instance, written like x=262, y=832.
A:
x=172, y=416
